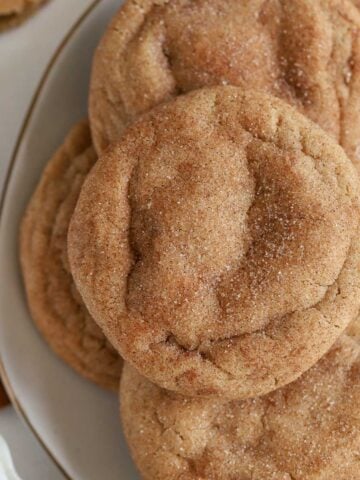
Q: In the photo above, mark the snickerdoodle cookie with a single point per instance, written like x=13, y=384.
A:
x=54, y=302
x=308, y=430
x=304, y=51
x=217, y=243
x=13, y=12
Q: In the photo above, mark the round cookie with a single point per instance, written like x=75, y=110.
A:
x=217, y=243
x=54, y=302
x=14, y=12
x=308, y=430
x=306, y=52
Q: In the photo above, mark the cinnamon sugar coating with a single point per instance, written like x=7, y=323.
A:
x=217, y=243
x=308, y=430
x=55, y=304
x=306, y=52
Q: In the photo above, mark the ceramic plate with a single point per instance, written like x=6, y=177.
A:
x=74, y=420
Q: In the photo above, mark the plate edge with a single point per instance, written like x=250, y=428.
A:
x=8, y=175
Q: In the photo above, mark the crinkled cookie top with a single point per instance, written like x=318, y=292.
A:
x=308, y=430
x=306, y=52
x=216, y=244
x=55, y=304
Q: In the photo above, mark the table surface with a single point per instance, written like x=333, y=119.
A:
x=24, y=52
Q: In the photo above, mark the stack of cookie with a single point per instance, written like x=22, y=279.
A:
x=214, y=243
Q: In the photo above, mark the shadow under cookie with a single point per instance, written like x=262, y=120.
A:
x=54, y=302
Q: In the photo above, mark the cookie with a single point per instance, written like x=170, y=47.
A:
x=55, y=304
x=306, y=52
x=217, y=243
x=4, y=400
x=308, y=430
x=14, y=12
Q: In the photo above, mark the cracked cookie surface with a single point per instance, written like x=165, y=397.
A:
x=13, y=12
x=216, y=244
x=308, y=430
x=55, y=304
x=306, y=52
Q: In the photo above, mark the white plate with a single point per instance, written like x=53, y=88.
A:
x=75, y=421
